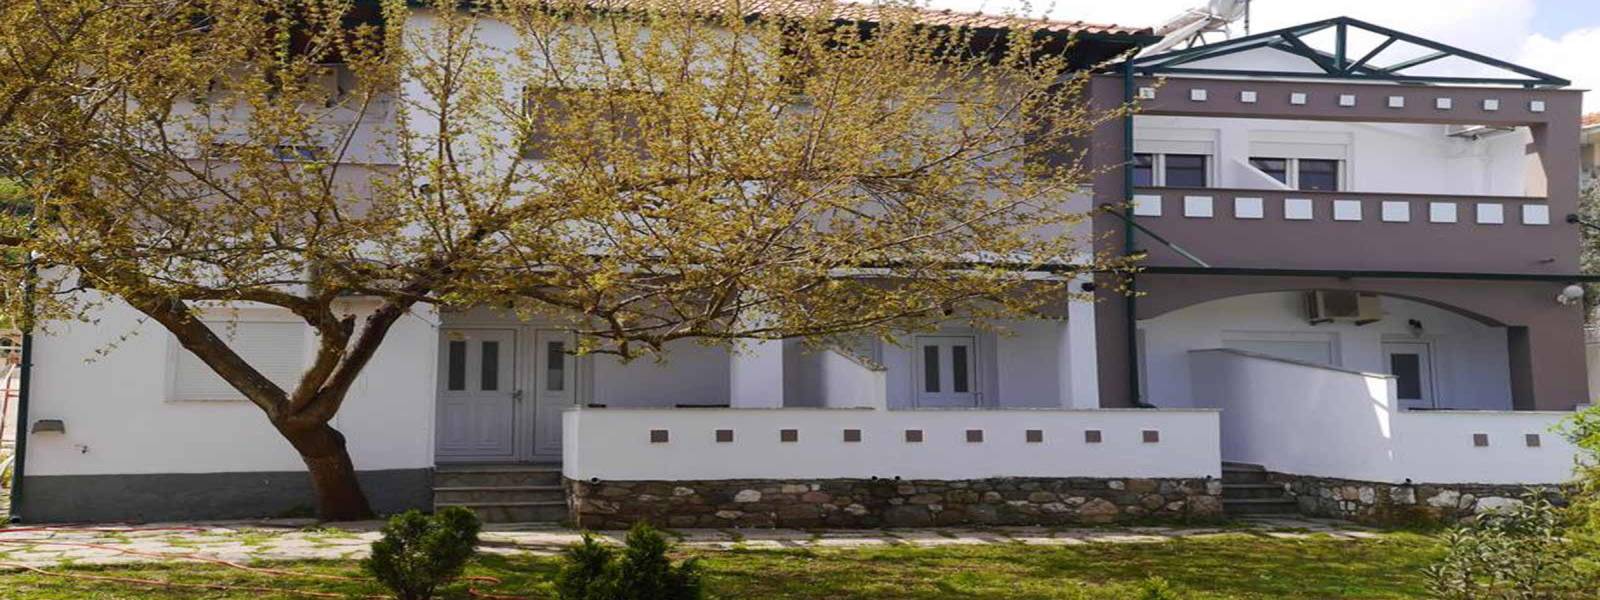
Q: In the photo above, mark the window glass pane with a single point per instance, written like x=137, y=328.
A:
x=1277, y=168
x=1407, y=369
x=1319, y=174
x=555, y=366
x=1186, y=170
x=958, y=369
x=456, y=377
x=930, y=369
x=491, y=366
x=1144, y=170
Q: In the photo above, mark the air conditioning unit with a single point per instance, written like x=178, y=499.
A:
x=1324, y=306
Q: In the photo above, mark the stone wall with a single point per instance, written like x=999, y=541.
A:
x=1388, y=503
x=890, y=503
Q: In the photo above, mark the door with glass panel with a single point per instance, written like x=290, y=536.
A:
x=554, y=389
x=946, y=373
x=477, y=395
x=1411, y=363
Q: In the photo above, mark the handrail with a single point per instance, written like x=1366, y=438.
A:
x=1341, y=194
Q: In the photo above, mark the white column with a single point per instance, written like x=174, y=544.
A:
x=1080, y=368
x=755, y=374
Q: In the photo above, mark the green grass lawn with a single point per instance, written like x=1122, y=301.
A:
x=1238, y=565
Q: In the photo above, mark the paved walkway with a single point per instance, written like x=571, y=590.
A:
x=291, y=539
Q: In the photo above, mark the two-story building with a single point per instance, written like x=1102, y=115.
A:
x=1357, y=300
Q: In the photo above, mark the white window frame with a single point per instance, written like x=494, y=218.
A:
x=223, y=322
x=1341, y=183
x=1158, y=165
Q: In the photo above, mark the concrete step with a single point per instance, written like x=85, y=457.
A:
x=496, y=475
x=499, y=494
x=1243, y=473
x=1260, y=506
x=514, y=512
x=1251, y=490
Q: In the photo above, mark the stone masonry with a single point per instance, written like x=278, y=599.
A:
x=1388, y=503
x=851, y=503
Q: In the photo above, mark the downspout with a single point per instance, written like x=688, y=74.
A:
x=20, y=465
x=1127, y=236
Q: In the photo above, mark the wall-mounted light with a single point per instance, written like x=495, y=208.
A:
x=1571, y=294
x=1415, y=327
x=48, y=426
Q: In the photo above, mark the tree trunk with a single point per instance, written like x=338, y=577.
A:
x=333, y=476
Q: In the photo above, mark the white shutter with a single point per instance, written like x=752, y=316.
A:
x=275, y=348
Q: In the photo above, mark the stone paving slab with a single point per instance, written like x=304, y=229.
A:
x=301, y=539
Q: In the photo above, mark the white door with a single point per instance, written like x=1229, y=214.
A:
x=554, y=389
x=946, y=373
x=1412, y=365
x=477, y=395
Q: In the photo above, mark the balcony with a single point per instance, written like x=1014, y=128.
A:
x=1354, y=231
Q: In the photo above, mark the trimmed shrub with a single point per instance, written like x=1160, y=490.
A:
x=419, y=554
x=1519, y=552
x=642, y=571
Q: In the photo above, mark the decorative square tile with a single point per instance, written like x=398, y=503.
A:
x=1442, y=212
x=1396, y=211
x=658, y=436
x=1491, y=104
x=913, y=436
x=1298, y=209
x=1347, y=99
x=852, y=435
x=1491, y=213
x=1297, y=98
x=1443, y=103
x=1247, y=96
x=1536, y=106
x=1532, y=440
x=724, y=436
x=789, y=435
x=1347, y=210
x=1150, y=436
x=1147, y=205
x=1197, y=94
x=1092, y=436
x=1535, y=214
x=1248, y=208
x=1147, y=93
x=1197, y=206
x=1397, y=101
x=1034, y=436
x=974, y=436
x=1480, y=440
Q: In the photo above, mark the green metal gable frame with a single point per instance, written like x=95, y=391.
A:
x=1340, y=64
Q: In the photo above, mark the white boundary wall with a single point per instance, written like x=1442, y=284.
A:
x=1303, y=419
x=614, y=444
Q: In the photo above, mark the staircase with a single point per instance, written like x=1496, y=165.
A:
x=521, y=493
x=1246, y=491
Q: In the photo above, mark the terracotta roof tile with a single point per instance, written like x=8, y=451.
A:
x=1591, y=119
x=867, y=12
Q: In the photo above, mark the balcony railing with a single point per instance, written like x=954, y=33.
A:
x=1297, y=229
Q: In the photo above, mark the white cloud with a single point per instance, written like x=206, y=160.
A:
x=1572, y=56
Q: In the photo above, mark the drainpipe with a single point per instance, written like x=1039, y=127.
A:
x=1132, y=326
x=20, y=465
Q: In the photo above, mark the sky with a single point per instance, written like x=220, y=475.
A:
x=1560, y=37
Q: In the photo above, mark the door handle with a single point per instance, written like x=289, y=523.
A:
x=517, y=396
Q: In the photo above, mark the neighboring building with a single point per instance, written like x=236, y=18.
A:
x=1378, y=309
x=1589, y=164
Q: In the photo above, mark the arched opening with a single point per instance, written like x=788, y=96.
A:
x=1441, y=357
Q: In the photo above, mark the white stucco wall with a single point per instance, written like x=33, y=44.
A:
x=1378, y=157
x=615, y=444
x=109, y=381
x=1305, y=420
x=1471, y=364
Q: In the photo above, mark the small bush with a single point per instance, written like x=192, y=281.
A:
x=419, y=554
x=1515, y=553
x=642, y=571
x=1157, y=588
